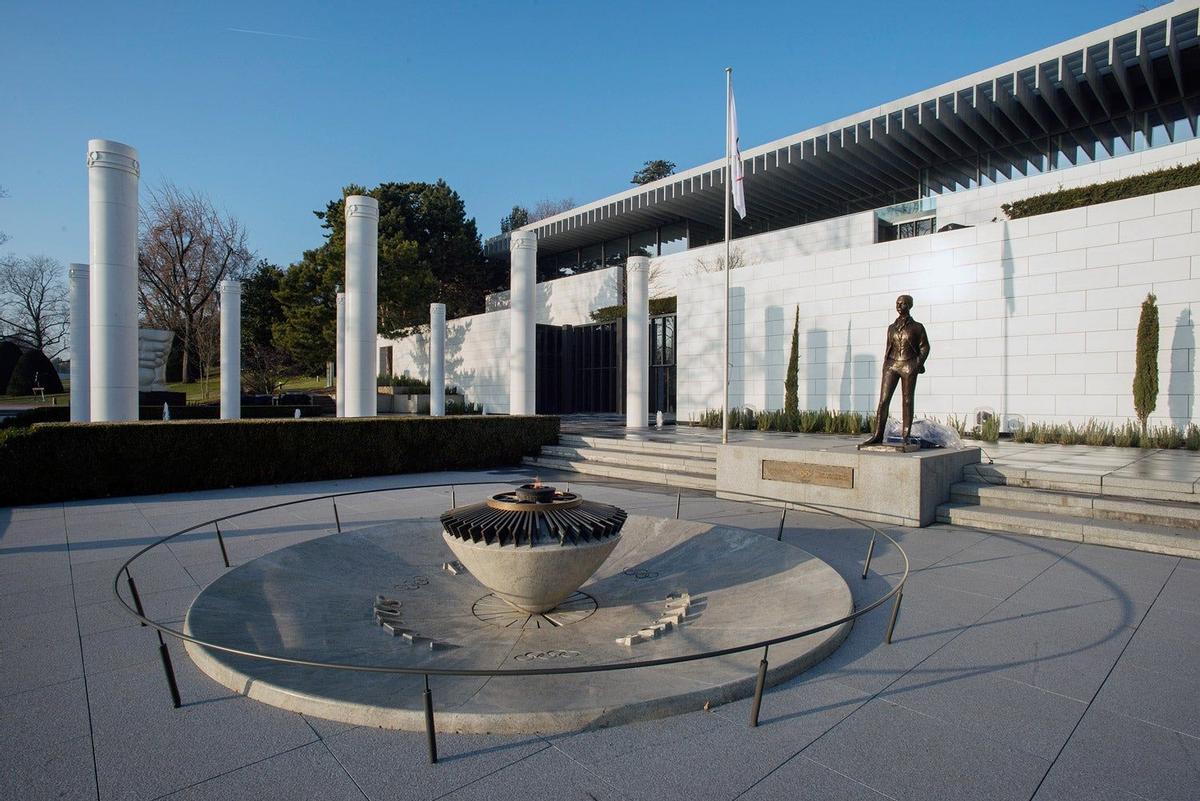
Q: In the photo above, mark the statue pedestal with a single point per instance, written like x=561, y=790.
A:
x=894, y=447
x=878, y=483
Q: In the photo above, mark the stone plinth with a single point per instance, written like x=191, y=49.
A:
x=899, y=488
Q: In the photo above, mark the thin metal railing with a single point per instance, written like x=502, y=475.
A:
x=138, y=612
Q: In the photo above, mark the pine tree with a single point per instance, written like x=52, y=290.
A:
x=791, y=382
x=1145, y=375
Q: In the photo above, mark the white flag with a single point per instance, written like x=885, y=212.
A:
x=739, y=193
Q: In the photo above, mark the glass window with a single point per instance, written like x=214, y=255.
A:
x=644, y=244
x=568, y=263
x=615, y=252
x=674, y=238
x=591, y=258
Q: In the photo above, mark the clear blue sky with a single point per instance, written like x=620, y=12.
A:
x=271, y=107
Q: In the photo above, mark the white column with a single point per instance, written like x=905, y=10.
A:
x=77, y=276
x=113, y=171
x=362, y=267
x=637, y=342
x=231, y=350
x=522, y=386
x=339, y=365
x=437, y=359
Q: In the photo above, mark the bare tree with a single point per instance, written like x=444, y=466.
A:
x=206, y=337
x=33, y=302
x=187, y=248
x=716, y=263
x=548, y=208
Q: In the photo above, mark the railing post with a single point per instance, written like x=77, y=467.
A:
x=336, y=518
x=678, y=503
x=452, y=503
x=430, y=732
x=137, y=599
x=169, y=670
x=895, y=615
x=782, y=517
x=870, y=551
x=759, y=684
x=221, y=542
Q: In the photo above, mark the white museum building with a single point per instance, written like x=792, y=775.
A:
x=1033, y=319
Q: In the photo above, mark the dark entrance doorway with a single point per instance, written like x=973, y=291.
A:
x=581, y=368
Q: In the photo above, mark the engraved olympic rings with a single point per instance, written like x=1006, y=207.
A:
x=412, y=583
x=530, y=656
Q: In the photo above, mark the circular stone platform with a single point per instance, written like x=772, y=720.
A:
x=315, y=601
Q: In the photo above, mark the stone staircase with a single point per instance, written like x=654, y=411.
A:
x=1078, y=508
x=683, y=465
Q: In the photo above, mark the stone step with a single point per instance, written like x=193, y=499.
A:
x=1078, y=504
x=692, y=450
x=1115, y=533
x=1049, y=478
x=668, y=478
x=650, y=461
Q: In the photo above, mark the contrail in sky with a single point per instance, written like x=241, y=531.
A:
x=270, y=33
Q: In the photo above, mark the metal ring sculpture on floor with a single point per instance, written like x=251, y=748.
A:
x=137, y=611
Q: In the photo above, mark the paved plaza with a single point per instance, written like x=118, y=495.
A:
x=1021, y=668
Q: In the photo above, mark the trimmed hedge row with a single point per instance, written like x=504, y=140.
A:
x=62, y=414
x=64, y=461
x=1178, y=177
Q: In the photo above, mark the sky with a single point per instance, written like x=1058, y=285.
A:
x=270, y=108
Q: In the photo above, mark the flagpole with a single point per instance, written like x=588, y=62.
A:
x=728, y=232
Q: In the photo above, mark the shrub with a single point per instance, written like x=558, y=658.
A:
x=10, y=354
x=140, y=458
x=658, y=306
x=989, y=429
x=1166, y=437
x=791, y=381
x=820, y=421
x=40, y=414
x=33, y=368
x=1177, y=177
x=1191, y=439
x=1127, y=436
x=1145, y=370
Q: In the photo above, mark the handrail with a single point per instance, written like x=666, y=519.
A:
x=138, y=612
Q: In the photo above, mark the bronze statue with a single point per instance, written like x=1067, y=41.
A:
x=904, y=357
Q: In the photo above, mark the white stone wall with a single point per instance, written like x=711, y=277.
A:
x=570, y=300
x=1035, y=317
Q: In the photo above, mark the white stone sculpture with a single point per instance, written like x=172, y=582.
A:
x=522, y=384
x=113, y=171
x=154, y=346
x=362, y=267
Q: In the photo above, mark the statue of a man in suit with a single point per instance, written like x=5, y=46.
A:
x=904, y=357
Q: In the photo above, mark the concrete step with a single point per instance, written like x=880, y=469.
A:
x=649, y=461
x=1115, y=533
x=670, y=478
x=1078, y=504
x=1059, y=480
x=691, y=450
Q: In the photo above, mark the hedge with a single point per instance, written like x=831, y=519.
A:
x=62, y=414
x=64, y=461
x=1178, y=177
x=658, y=306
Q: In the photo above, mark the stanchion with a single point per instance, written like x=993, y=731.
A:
x=870, y=551
x=221, y=541
x=137, y=599
x=758, y=689
x=170, y=671
x=336, y=518
x=895, y=614
x=430, y=732
x=782, y=517
x=678, y=503
x=452, y=503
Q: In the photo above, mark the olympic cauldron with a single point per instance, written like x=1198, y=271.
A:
x=533, y=546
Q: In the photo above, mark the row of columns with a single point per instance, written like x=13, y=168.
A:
x=104, y=331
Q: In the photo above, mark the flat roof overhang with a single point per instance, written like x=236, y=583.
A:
x=1085, y=90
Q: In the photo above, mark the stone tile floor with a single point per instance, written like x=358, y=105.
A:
x=1021, y=669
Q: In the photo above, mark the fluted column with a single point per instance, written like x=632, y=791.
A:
x=637, y=342
x=113, y=172
x=362, y=265
x=81, y=411
x=231, y=350
x=522, y=383
x=339, y=364
x=437, y=359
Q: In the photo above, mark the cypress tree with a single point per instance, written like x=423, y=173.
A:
x=791, y=382
x=10, y=354
x=33, y=366
x=1145, y=375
